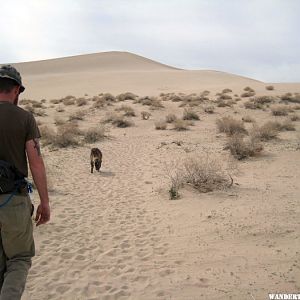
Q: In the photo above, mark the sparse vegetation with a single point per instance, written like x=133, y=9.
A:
x=266, y=132
x=78, y=115
x=269, y=87
x=181, y=125
x=128, y=111
x=248, y=119
x=209, y=109
x=189, y=114
x=145, y=115
x=230, y=126
x=126, y=96
x=161, y=125
x=241, y=147
x=93, y=135
x=170, y=118
x=279, y=110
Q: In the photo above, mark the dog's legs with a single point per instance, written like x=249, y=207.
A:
x=92, y=166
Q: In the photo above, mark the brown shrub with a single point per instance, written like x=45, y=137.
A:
x=248, y=119
x=95, y=134
x=266, y=132
x=241, y=147
x=190, y=115
x=247, y=94
x=230, y=126
x=81, y=101
x=294, y=118
x=161, y=125
x=126, y=96
x=170, y=118
x=279, y=110
x=145, y=115
x=269, y=87
x=225, y=97
x=181, y=125
x=209, y=109
x=248, y=89
x=128, y=111
x=226, y=91
x=78, y=115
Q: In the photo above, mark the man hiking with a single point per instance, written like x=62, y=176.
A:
x=19, y=141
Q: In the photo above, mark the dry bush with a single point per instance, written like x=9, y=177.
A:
x=68, y=100
x=224, y=97
x=118, y=120
x=222, y=103
x=153, y=102
x=226, y=91
x=37, y=104
x=189, y=114
x=248, y=119
x=126, y=96
x=67, y=135
x=248, y=89
x=205, y=93
x=81, y=101
x=93, y=135
x=60, y=109
x=161, y=125
x=170, y=118
x=288, y=97
x=58, y=121
x=107, y=97
x=175, y=98
x=145, y=115
x=48, y=135
x=287, y=125
x=98, y=102
x=269, y=87
x=209, y=109
x=241, y=147
x=266, y=132
x=205, y=174
x=247, y=94
x=78, y=115
x=294, y=118
x=258, y=102
x=128, y=111
x=56, y=101
x=231, y=126
x=181, y=125
x=279, y=110
x=25, y=101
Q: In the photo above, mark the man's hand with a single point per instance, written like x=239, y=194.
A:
x=42, y=214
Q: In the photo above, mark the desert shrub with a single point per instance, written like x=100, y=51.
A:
x=205, y=93
x=294, y=118
x=209, y=109
x=118, y=120
x=48, y=135
x=81, y=101
x=107, y=97
x=128, y=111
x=60, y=109
x=266, y=132
x=98, y=102
x=205, y=174
x=78, y=115
x=56, y=101
x=93, y=135
x=288, y=97
x=67, y=135
x=145, y=115
x=230, y=126
x=161, y=125
x=175, y=98
x=225, y=97
x=253, y=105
x=153, y=102
x=248, y=119
x=226, y=91
x=248, y=89
x=269, y=87
x=170, y=118
x=189, y=114
x=68, y=100
x=222, y=103
x=126, y=96
x=181, y=125
x=279, y=110
x=58, y=121
x=247, y=94
x=287, y=125
x=241, y=147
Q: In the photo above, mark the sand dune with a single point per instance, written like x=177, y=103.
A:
x=117, y=235
x=118, y=72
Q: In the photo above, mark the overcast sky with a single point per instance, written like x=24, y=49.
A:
x=254, y=38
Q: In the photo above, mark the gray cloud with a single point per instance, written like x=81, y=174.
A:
x=254, y=38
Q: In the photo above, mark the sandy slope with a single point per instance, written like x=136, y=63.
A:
x=118, y=72
x=116, y=235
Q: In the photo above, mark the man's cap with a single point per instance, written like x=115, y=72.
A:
x=8, y=71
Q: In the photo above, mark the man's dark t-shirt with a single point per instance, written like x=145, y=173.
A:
x=17, y=126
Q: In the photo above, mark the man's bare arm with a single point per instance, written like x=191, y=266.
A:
x=38, y=172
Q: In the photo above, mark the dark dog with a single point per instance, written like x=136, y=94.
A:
x=96, y=159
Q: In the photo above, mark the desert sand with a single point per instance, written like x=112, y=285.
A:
x=117, y=235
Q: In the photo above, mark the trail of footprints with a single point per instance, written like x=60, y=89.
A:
x=102, y=243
